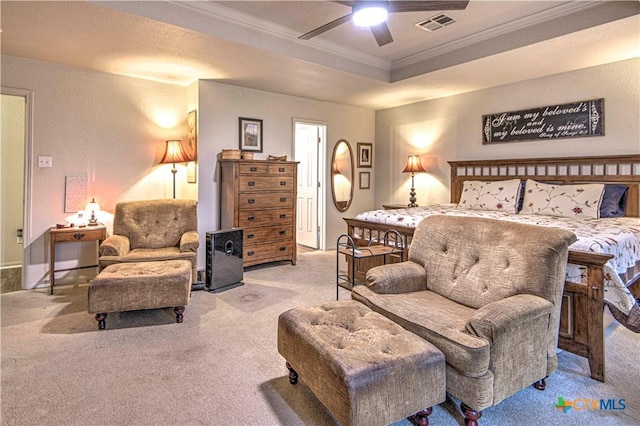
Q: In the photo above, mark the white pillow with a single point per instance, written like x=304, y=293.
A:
x=582, y=200
x=499, y=196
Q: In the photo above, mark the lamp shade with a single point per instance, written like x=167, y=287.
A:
x=414, y=165
x=174, y=153
x=92, y=206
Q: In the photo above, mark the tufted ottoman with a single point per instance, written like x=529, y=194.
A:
x=363, y=367
x=135, y=286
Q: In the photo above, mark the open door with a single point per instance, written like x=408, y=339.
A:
x=13, y=149
x=309, y=141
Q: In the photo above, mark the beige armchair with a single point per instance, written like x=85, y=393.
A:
x=153, y=230
x=487, y=293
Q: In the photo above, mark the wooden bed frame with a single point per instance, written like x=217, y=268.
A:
x=582, y=316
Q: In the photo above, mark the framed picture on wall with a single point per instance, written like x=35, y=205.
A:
x=250, y=134
x=365, y=180
x=192, y=136
x=365, y=154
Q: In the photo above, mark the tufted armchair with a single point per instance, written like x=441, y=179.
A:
x=487, y=293
x=153, y=230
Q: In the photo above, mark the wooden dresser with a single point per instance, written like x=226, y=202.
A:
x=260, y=197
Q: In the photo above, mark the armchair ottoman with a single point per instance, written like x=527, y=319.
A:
x=136, y=286
x=364, y=368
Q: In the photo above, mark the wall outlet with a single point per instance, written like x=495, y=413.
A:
x=45, y=162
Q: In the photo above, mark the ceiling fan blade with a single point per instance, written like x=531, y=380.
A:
x=325, y=27
x=421, y=6
x=382, y=34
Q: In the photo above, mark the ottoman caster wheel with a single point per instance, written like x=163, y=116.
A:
x=179, y=310
x=293, y=375
x=101, y=323
x=422, y=417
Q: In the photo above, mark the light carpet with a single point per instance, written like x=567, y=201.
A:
x=221, y=366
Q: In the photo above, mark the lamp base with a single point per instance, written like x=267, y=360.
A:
x=412, y=198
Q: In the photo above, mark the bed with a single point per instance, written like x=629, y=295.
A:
x=600, y=271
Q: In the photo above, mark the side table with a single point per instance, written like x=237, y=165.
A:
x=390, y=244
x=72, y=235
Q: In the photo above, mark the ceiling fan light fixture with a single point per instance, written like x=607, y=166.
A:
x=369, y=15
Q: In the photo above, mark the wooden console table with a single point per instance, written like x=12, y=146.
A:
x=72, y=235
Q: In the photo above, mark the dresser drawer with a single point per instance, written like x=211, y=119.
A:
x=268, y=233
x=261, y=200
x=82, y=234
x=266, y=183
x=252, y=169
x=267, y=252
x=282, y=169
x=251, y=218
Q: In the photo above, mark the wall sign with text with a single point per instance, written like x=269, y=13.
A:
x=575, y=120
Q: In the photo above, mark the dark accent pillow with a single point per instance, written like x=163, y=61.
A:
x=614, y=201
x=520, y=196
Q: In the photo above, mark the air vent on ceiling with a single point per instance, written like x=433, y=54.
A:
x=436, y=22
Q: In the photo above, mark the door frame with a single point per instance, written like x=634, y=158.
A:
x=322, y=147
x=28, y=149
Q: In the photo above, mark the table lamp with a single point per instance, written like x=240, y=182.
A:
x=413, y=166
x=93, y=207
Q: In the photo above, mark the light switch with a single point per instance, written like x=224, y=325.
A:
x=45, y=162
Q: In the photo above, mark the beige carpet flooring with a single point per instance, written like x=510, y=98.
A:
x=221, y=366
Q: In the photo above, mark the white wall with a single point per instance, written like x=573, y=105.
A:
x=113, y=129
x=109, y=127
x=221, y=105
x=451, y=128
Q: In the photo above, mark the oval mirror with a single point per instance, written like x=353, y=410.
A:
x=342, y=175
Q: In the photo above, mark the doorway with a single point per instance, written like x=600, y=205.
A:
x=309, y=145
x=14, y=180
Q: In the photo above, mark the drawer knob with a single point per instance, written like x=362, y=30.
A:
x=283, y=215
x=281, y=169
x=251, y=200
x=282, y=232
x=251, y=235
x=250, y=253
x=282, y=248
x=251, y=183
x=283, y=183
x=253, y=169
x=283, y=199
x=78, y=235
x=251, y=218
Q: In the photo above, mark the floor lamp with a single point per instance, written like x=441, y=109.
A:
x=174, y=153
x=413, y=166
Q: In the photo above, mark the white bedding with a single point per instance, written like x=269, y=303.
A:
x=619, y=237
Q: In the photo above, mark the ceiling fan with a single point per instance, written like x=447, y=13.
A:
x=379, y=28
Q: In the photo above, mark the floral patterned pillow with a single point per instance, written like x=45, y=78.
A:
x=500, y=196
x=581, y=200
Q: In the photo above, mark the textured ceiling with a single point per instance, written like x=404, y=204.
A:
x=254, y=44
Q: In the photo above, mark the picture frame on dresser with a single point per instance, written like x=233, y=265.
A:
x=250, y=134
